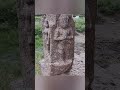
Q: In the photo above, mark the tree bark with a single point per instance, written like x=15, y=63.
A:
x=26, y=40
x=58, y=37
x=90, y=41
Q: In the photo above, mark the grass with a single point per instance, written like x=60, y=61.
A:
x=80, y=27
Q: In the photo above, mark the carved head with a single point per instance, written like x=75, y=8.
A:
x=64, y=21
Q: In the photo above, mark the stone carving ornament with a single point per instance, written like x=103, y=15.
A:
x=58, y=37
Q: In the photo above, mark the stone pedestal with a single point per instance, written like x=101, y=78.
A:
x=58, y=38
x=51, y=69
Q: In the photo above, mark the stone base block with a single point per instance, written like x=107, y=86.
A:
x=52, y=69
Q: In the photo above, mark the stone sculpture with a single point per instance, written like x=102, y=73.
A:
x=58, y=38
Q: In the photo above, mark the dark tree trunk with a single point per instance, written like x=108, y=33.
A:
x=26, y=39
x=90, y=40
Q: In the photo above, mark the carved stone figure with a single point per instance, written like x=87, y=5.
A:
x=58, y=37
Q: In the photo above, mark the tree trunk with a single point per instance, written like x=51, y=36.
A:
x=90, y=41
x=58, y=37
x=26, y=39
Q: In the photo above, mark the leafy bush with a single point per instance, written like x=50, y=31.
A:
x=38, y=32
x=80, y=24
x=109, y=7
x=38, y=26
x=38, y=43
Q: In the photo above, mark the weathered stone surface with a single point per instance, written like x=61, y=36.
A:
x=58, y=38
x=55, y=68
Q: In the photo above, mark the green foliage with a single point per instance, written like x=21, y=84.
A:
x=109, y=7
x=38, y=32
x=80, y=24
x=38, y=44
x=38, y=26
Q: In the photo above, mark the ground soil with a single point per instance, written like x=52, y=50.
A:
x=107, y=55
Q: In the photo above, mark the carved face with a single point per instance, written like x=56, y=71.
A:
x=63, y=21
